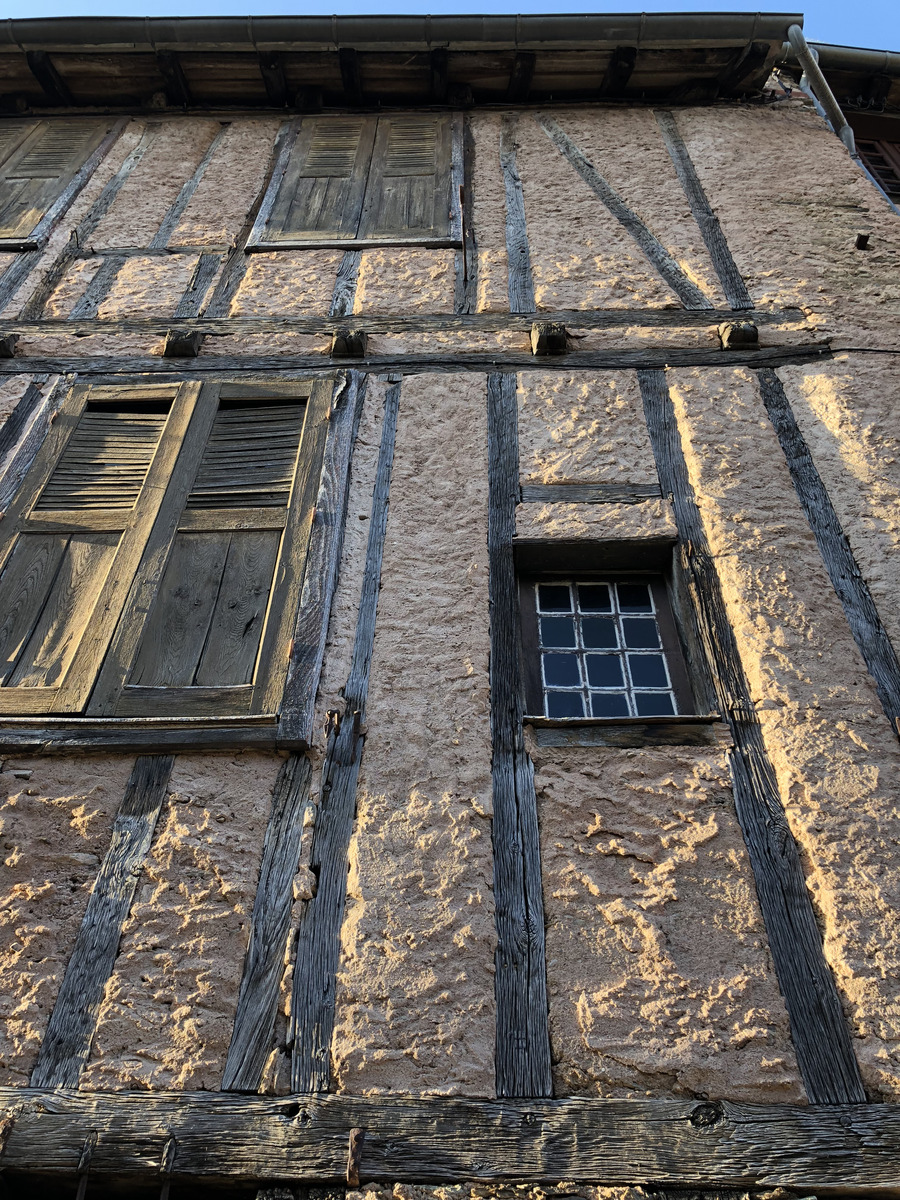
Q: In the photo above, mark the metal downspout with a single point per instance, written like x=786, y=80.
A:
x=814, y=83
x=819, y=85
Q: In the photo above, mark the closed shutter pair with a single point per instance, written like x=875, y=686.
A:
x=152, y=561
x=37, y=161
x=363, y=179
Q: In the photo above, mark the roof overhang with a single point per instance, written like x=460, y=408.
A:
x=287, y=62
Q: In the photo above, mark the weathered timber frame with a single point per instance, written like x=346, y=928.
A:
x=194, y=1137
x=821, y=1039
x=523, y=1037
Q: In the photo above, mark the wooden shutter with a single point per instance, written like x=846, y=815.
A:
x=883, y=160
x=73, y=537
x=321, y=193
x=207, y=628
x=408, y=196
x=38, y=166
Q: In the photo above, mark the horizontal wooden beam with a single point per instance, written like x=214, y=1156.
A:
x=850, y=1149
x=655, y=358
x=573, y=319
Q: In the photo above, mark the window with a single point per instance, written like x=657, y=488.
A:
x=37, y=160
x=603, y=648
x=363, y=180
x=151, y=564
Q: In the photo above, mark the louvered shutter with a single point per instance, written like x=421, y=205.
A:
x=38, y=168
x=321, y=193
x=73, y=537
x=207, y=628
x=408, y=196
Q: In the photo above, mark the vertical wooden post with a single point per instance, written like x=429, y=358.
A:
x=521, y=285
x=67, y=1042
x=821, y=1039
x=318, y=939
x=523, y=1038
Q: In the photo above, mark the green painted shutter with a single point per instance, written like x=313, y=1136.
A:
x=408, y=196
x=321, y=194
x=38, y=165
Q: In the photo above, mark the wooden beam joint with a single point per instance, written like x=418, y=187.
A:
x=8, y=345
x=548, y=337
x=272, y=71
x=44, y=70
x=738, y=335
x=178, y=94
x=349, y=343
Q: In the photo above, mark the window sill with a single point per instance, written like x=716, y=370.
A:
x=140, y=735
x=630, y=732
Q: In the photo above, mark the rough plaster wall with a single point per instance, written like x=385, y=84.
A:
x=12, y=389
x=658, y=968
x=266, y=343
x=797, y=246
x=148, y=287
x=489, y=215
x=287, y=283
x=626, y=147
x=836, y=758
x=446, y=344
x=415, y=996
x=230, y=184
x=88, y=195
x=153, y=186
x=168, y=1009
x=581, y=257
x=55, y=822
x=846, y=411
x=592, y=522
x=92, y=345
x=71, y=287
x=482, y=1190
x=405, y=279
x=584, y=427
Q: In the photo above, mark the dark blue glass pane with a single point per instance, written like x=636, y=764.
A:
x=654, y=704
x=561, y=670
x=647, y=670
x=564, y=704
x=557, y=631
x=634, y=597
x=605, y=670
x=554, y=597
x=640, y=633
x=594, y=597
x=608, y=704
x=599, y=633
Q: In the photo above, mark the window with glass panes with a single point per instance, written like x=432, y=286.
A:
x=605, y=649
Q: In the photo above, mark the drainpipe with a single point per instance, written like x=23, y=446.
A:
x=819, y=86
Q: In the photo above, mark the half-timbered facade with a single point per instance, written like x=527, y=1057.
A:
x=448, y=623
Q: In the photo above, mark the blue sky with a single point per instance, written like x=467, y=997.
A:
x=870, y=23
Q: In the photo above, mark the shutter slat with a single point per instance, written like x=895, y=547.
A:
x=35, y=173
x=249, y=458
x=104, y=463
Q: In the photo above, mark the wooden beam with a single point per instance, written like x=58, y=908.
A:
x=271, y=69
x=318, y=938
x=440, y=60
x=649, y=245
x=67, y=1042
x=521, y=286
x=269, y=926
x=224, y=1138
x=213, y=365
x=178, y=94
x=618, y=71
x=322, y=562
x=840, y=562
x=404, y=322
x=191, y=303
x=520, y=77
x=523, y=1036
x=711, y=231
x=176, y=210
x=99, y=287
x=466, y=289
x=589, y=493
x=350, y=76
x=821, y=1039
x=344, y=293
x=44, y=70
